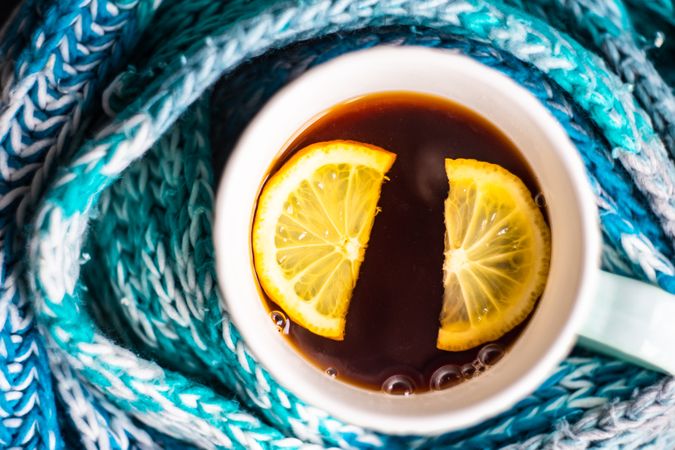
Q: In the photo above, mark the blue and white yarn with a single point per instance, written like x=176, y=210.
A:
x=56, y=59
x=50, y=72
x=604, y=27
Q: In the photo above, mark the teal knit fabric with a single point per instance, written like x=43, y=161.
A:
x=115, y=120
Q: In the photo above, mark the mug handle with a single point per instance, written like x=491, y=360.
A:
x=633, y=321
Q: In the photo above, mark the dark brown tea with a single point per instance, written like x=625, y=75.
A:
x=393, y=318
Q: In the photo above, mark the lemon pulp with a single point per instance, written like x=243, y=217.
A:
x=311, y=229
x=496, y=257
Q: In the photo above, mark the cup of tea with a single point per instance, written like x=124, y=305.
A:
x=406, y=238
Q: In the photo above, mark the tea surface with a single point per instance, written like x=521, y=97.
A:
x=392, y=323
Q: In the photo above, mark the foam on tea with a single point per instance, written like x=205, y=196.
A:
x=392, y=322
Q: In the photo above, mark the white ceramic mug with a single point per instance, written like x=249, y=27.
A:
x=629, y=318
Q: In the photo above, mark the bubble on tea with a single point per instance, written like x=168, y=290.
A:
x=445, y=376
x=331, y=372
x=540, y=200
x=490, y=354
x=280, y=321
x=398, y=385
x=478, y=365
x=468, y=371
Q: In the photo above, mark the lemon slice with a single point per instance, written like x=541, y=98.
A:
x=311, y=229
x=497, y=252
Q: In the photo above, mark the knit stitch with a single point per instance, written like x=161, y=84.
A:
x=134, y=271
x=46, y=89
x=604, y=27
x=74, y=222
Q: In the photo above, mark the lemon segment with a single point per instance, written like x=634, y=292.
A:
x=311, y=229
x=497, y=253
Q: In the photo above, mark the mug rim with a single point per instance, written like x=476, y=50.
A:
x=339, y=398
